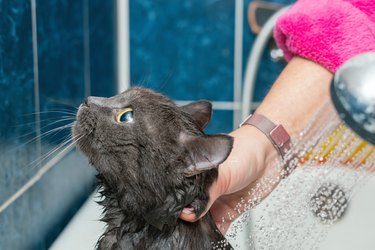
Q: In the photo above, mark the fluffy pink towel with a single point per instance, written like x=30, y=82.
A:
x=328, y=32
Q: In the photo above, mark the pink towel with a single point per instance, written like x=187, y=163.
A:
x=328, y=32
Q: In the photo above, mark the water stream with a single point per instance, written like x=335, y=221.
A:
x=327, y=165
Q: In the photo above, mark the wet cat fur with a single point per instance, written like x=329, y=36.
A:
x=149, y=169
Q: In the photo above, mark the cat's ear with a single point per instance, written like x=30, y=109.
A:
x=205, y=152
x=201, y=112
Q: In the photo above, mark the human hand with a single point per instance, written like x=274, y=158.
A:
x=249, y=160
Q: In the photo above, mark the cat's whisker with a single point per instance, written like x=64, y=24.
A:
x=144, y=81
x=64, y=109
x=46, y=132
x=67, y=143
x=44, y=126
x=69, y=112
x=166, y=79
x=53, y=135
x=79, y=138
x=67, y=103
x=59, y=117
x=58, y=121
x=43, y=135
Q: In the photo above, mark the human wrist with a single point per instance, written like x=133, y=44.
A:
x=251, y=151
x=260, y=144
x=276, y=133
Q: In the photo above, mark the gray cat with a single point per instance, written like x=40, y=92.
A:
x=153, y=160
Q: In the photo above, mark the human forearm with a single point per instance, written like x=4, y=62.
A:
x=297, y=94
x=295, y=97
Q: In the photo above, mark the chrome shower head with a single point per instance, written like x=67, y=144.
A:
x=353, y=94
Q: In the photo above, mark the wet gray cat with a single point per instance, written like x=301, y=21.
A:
x=153, y=160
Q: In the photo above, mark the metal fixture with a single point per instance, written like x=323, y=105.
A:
x=329, y=202
x=353, y=94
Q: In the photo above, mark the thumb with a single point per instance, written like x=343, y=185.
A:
x=215, y=191
x=188, y=214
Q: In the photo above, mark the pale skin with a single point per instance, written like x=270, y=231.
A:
x=295, y=97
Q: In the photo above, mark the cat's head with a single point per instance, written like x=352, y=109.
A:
x=148, y=150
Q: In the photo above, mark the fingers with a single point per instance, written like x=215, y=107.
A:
x=216, y=190
x=188, y=215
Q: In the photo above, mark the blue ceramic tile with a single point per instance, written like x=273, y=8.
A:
x=17, y=125
x=183, y=49
x=61, y=64
x=221, y=122
x=37, y=217
x=282, y=2
x=267, y=74
x=268, y=69
x=102, y=47
x=34, y=220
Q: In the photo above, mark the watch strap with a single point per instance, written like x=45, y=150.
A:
x=276, y=133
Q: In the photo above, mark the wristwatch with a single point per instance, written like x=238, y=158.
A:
x=276, y=133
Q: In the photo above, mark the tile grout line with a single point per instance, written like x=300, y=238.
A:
x=219, y=105
x=86, y=48
x=123, y=43
x=36, y=76
x=216, y=105
x=238, y=50
x=33, y=180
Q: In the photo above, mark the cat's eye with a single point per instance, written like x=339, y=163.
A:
x=125, y=116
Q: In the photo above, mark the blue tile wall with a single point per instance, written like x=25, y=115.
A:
x=76, y=54
x=183, y=49
x=17, y=125
x=102, y=47
x=221, y=122
x=34, y=220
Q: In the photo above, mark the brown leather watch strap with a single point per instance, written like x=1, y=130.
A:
x=276, y=133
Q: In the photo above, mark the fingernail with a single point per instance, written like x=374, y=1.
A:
x=188, y=210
